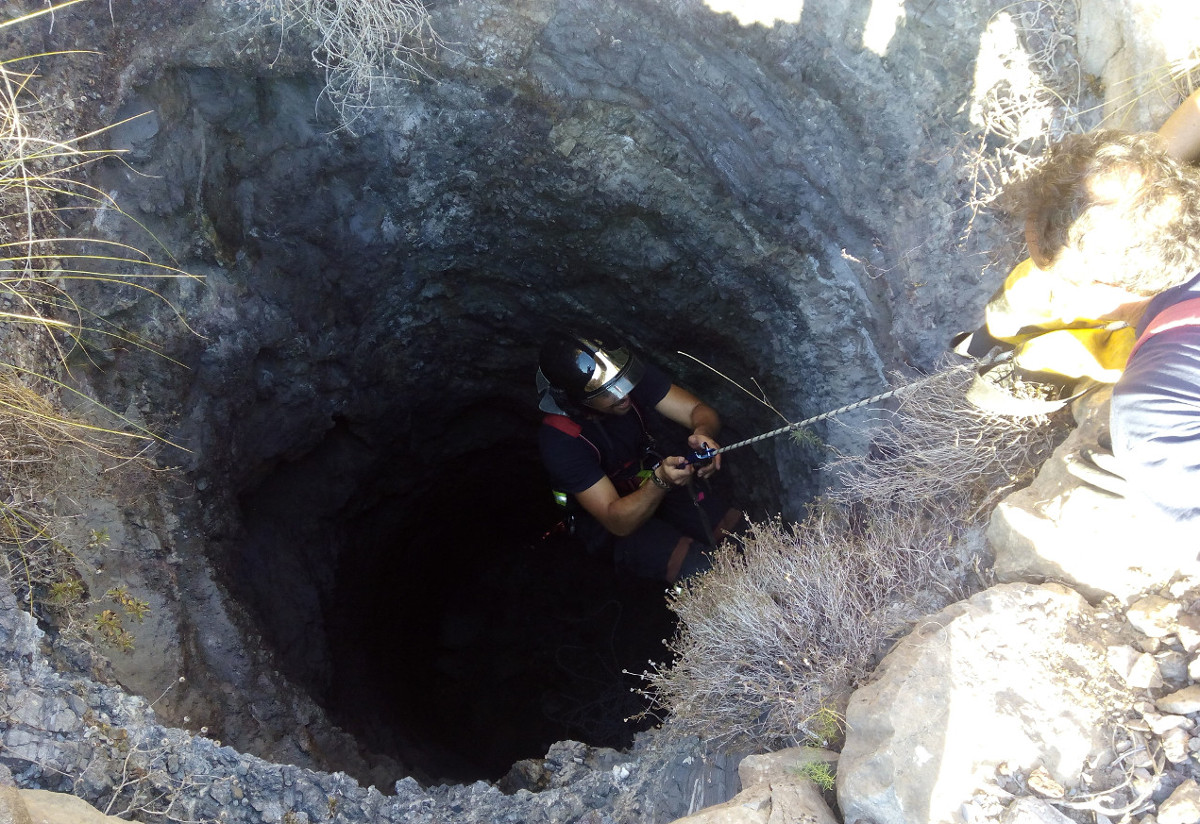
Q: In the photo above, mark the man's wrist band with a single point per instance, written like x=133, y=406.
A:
x=659, y=482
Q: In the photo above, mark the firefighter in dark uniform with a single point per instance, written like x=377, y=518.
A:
x=601, y=404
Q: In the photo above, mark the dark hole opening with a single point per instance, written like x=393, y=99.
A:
x=460, y=638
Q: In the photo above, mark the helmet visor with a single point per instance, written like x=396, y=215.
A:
x=614, y=378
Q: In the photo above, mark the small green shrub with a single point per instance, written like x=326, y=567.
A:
x=820, y=773
x=827, y=725
x=108, y=625
x=111, y=629
x=133, y=607
x=66, y=594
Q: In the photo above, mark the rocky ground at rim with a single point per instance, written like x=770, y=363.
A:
x=462, y=798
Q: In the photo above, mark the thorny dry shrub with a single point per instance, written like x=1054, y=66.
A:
x=942, y=461
x=786, y=624
x=360, y=43
x=1031, y=91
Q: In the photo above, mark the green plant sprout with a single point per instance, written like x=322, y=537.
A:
x=112, y=630
x=66, y=593
x=820, y=773
x=826, y=726
x=806, y=437
x=133, y=607
x=109, y=624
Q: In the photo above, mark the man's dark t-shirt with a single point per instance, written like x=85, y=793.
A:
x=573, y=463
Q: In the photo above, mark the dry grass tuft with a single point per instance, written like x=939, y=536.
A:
x=361, y=43
x=32, y=446
x=771, y=641
x=42, y=326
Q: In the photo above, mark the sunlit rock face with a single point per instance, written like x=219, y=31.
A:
x=1027, y=666
x=358, y=399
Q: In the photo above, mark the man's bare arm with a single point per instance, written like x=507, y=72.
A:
x=1181, y=132
x=623, y=515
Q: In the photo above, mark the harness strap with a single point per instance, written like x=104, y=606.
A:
x=564, y=425
x=570, y=428
x=1185, y=313
x=573, y=429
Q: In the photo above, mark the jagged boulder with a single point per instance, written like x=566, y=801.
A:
x=44, y=807
x=1017, y=676
x=775, y=789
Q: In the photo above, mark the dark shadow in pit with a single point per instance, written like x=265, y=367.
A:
x=463, y=640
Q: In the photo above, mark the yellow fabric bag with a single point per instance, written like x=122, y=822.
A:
x=1020, y=314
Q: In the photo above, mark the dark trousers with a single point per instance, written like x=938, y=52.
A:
x=676, y=542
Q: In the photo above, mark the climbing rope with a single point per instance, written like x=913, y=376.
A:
x=990, y=360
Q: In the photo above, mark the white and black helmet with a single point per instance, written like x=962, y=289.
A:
x=574, y=371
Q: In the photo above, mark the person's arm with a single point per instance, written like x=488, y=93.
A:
x=688, y=411
x=623, y=515
x=1163, y=466
x=1155, y=422
x=1181, y=132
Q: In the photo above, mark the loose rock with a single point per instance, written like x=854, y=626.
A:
x=1183, y=806
x=1182, y=702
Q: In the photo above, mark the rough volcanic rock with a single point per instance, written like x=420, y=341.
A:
x=1014, y=678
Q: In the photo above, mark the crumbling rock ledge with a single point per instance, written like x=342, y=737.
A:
x=72, y=734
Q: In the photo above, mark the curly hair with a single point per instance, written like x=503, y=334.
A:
x=1128, y=213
